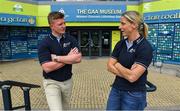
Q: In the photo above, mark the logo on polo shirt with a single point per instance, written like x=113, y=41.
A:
x=66, y=44
x=132, y=50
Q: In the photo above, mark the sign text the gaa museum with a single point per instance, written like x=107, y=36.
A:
x=99, y=11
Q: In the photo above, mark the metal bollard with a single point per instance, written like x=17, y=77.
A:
x=159, y=64
x=6, y=93
x=27, y=101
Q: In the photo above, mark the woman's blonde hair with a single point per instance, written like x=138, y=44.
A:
x=135, y=17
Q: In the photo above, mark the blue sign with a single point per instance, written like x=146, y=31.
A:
x=17, y=20
x=163, y=16
x=90, y=13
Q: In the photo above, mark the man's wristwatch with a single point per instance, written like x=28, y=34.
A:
x=56, y=58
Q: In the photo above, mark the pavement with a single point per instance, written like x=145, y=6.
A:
x=91, y=85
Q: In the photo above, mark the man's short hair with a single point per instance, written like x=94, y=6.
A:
x=54, y=15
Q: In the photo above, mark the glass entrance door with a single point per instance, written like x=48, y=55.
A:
x=90, y=43
x=106, y=43
x=95, y=43
x=84, y=43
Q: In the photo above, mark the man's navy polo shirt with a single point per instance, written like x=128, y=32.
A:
x=141, y=53
x=50, y=45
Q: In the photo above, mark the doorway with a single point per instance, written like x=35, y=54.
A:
x=93, y=42
x=90, y=43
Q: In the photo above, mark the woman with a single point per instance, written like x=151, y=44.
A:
x=129, y=62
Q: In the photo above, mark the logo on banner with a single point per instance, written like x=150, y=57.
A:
x=62, y=11
x=17, y=8
x=31, y=21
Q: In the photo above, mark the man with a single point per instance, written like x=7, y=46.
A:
x=56, y=55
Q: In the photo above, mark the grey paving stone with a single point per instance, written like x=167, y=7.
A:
x=91, y=85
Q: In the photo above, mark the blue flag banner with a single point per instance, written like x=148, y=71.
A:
x=90, y=13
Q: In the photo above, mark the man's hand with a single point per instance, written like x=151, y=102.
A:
x=73, y=51
x=74, y=56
